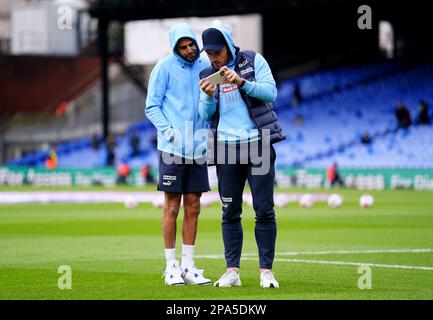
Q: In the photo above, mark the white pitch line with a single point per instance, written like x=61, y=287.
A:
x=295, y=253
x=394, y=266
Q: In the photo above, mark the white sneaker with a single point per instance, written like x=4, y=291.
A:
x=229, y=279
x=267, y=280
x=192, y=275
x=172, y=274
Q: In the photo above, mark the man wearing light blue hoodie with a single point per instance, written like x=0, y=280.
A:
x=245, y=127
x=172, y=106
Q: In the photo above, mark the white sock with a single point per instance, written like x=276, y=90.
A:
x=170, y=255
x=187, y=255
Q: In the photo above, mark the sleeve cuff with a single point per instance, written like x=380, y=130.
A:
x=248, y=86
x=209, y=99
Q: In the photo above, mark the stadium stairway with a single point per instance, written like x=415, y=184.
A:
x=31, y=84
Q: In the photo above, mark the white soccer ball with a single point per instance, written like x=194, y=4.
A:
x=366, y=201
x=130, y=202
x=335, y=200
x=281, y=200
x=306, y=200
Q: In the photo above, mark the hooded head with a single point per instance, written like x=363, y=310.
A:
x=219, y=45
x=182, y=34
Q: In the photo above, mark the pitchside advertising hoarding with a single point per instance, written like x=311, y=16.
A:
x=368, y=179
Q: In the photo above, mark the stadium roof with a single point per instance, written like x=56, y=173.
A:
x=157, y=9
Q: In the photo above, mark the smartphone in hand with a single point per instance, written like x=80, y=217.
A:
x=216, y=78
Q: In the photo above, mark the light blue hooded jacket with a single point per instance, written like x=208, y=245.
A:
x=173, y=97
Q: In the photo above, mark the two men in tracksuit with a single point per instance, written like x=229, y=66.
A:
x=244, y=127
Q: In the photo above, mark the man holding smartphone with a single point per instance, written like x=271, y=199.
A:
x=245, y=125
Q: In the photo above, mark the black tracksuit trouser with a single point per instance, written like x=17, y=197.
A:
x=231, y=183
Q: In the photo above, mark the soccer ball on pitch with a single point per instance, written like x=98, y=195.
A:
x=130, y=202
x=366, y=201
x=335, y=200
x=281, y=200
x=306, y=200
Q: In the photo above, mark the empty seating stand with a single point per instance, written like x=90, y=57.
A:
x=326, y=127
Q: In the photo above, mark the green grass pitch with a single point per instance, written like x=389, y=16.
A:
x=117, y=253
